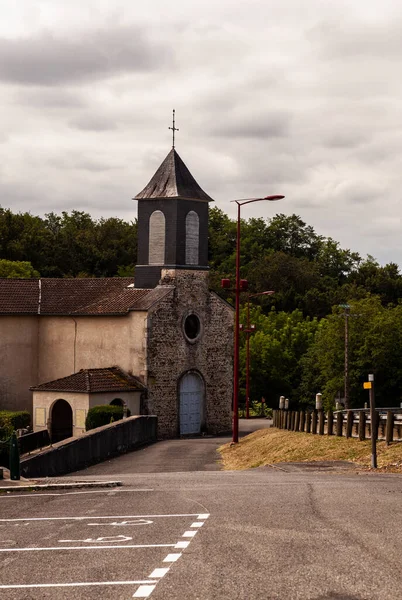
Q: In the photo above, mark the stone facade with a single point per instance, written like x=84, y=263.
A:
x=170, y=354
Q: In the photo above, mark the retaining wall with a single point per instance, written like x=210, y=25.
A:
x=92, y=447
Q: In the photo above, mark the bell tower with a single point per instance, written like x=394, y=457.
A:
x=172, y=222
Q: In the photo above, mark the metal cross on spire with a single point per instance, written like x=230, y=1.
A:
x=174, y=128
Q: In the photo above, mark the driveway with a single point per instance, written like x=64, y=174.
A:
x=187, y=454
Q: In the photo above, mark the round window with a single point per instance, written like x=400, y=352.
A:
x=192, y=327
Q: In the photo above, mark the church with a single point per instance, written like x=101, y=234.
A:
x=160, y=343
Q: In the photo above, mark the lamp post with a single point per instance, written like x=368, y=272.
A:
x=240, y=203
x=249, y=329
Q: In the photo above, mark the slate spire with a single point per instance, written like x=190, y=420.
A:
x=173, y=180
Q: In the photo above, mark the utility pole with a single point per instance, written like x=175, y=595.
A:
x=373, y=419
x=346, y=315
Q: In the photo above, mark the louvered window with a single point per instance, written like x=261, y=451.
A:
x=157, y=238
x=192, y=238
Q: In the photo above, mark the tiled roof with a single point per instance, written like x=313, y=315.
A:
x=112, y=379
x=97, y=296
x=173, y=180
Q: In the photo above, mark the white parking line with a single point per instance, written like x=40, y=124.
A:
x=33, y=549
x=158, y=573
x=172, y=557
x=144, y=591
x=101, y=517
x=75, y=584
x=189, y=534
x=39, y=494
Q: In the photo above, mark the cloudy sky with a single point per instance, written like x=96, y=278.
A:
x=297, y=97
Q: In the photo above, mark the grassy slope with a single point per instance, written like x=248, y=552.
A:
x=270, y=446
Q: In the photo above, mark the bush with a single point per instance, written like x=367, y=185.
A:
x=12, y=420
x=103, y=415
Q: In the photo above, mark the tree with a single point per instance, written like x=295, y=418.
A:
x=13, y=269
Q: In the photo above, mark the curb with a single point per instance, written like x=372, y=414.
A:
x=34, y=487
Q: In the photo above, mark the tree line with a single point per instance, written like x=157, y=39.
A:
x=298, y=345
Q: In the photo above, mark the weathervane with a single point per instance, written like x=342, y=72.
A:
x=173, y=128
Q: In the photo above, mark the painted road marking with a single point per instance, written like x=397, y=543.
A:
x=189, y=534
x=182, y=544
x=38, y=493
x=197, y=524
x=116, y=523
x=33, y=549
x=158, y=573
x=99, y=517
x=116, y=538
x=144, y=591
x=203, y=517
x=75, y=584
x=172, y=557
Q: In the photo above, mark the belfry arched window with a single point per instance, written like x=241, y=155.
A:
x=157, y=238
x=192, y=238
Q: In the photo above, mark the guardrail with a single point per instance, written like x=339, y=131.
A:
x=348, y=423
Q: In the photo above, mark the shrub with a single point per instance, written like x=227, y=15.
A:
x=102, y=415
x=11, y=420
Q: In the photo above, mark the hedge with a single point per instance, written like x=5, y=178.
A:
x=12, y=420
x=103, y=414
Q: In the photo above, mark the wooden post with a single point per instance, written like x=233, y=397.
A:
x=349, y=423
x=308, y=421
x=302, y=420
x=297, y=421
x=362, y=425
x=320, y=422
x=330, y=422
x=339, y=424
x=314, y=422
x=292, y=420
x=389, y=434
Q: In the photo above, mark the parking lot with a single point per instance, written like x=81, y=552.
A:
x=90, y=541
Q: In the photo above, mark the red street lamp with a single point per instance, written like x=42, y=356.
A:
x=237, y=312
x=250, y=329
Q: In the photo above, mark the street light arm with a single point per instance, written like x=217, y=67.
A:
x=249, y=200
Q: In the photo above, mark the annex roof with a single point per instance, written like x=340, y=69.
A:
x=173, y=180
x=111, y=379
x=94, y=296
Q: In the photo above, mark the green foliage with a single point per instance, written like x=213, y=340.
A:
x=279, y=342
x=102, y=415
x=375, y=346
x=15, y=269
x=12, y=420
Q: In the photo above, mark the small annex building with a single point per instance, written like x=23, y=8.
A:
x=163, y=333
x=68, y=399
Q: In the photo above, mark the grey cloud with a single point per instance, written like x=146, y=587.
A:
x=48, y=60
x=93, y=122
x=49, y=98
x=272, y=124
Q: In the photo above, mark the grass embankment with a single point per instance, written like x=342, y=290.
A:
x=270, y=446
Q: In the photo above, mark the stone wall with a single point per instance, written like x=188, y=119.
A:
x=92, y=447
x=171, y=355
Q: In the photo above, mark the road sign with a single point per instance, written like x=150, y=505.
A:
x=367, y=385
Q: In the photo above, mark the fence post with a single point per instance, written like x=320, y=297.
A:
x=302, y=420
x=314, y=422
x=297, y=421
x=362, y=425
x=14, y=458
x=321, y=422
x=389, y=434
x=339, y=424
x=308, y=421
x=349, y=423
x=330, y=422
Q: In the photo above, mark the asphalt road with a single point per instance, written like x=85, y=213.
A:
x=206, y=535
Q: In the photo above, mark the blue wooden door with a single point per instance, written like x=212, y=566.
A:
x=191, y=401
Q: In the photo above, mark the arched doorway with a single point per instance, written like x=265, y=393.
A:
x=191, y=399
x=117, y=402
x=61, y=421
